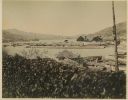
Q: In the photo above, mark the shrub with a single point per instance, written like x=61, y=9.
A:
x=80, y=38
x=45, y=77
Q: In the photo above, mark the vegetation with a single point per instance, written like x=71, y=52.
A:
x=46, y=77
x=97, y=39
x=108, y=32
x=86, y=39
x=80, y=38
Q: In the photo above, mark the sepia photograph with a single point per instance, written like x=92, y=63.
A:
x=64, y=49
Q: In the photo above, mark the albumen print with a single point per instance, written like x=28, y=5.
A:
x=64, y=49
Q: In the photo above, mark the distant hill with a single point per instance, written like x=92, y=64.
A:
x=18, y=35
x=107, y=33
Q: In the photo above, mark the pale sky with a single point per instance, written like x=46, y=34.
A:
x=61, y=17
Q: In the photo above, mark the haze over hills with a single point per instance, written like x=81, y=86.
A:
x=107, y=33
x=18, y=35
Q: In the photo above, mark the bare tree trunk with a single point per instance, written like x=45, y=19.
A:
x=115, y=39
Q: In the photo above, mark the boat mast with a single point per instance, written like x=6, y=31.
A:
x=115, y=38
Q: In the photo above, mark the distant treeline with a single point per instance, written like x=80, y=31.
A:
x=85, y=38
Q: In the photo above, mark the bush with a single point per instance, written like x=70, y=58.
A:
x=80, y=38
x=46, y=77
x=97, y=39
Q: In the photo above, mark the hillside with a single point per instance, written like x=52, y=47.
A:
x=107, y=33
x=18, y=35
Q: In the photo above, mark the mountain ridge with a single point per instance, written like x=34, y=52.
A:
x=106, y=34
x=18, y=35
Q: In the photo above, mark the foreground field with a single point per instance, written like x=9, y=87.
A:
x=45, y=77
x=51, y=52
